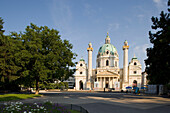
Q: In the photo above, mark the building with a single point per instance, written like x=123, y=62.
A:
x=71, y=82
x=107, y=73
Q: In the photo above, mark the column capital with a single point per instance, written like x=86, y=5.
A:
x=125, y=47
x=90, y=49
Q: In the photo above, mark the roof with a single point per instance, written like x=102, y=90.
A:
x=107, y=47
x=134, y=57
x=82, y=59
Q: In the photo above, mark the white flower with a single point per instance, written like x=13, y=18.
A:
x=25, y=112
x=41, y=107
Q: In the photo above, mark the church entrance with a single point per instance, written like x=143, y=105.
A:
x=107, y=85
x=81, y=85
x=135, y=83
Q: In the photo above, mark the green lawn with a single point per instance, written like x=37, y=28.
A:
x=9, y=97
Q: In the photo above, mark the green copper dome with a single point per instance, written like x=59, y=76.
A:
x=107, y=47
x=82, y=59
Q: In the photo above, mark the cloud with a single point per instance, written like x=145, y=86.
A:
x=141, y=49
x=114, y=26
x=160, y=4
x=61, y=14
x=140, y=16
x=140, y=52
x=88, y=10
x=157, y=1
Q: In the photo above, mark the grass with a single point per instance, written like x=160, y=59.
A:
x=9, y=97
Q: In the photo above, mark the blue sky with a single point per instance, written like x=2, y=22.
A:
x=84, y=21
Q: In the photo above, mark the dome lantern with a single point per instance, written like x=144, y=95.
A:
x=107, y=40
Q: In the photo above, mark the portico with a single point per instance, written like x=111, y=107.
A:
x=107, y=79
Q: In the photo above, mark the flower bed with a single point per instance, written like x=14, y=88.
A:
x=46, y=107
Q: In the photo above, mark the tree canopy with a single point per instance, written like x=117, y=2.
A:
x=36, y=55
x=44, y=55
x=158, y=63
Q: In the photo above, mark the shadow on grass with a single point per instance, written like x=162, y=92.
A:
x=9, y=97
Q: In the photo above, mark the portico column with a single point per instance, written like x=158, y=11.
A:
x=109, y=83
x=113, y=84
x=100, y=82
x=104, y=82
x=97, y=79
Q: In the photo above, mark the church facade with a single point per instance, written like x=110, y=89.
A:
x=107, y=73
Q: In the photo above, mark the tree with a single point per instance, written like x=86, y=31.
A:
x=44, y=56
x=8, y=48
x=158, y=63
x=1, y=26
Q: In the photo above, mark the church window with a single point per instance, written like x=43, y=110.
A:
x=81, y=72
x=115, y=63
x=107, y=62
x=134, y=72
x=81, y=64
x=107, y=52
x=135, y=63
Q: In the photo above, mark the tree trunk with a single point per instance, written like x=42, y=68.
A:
x=37, y=87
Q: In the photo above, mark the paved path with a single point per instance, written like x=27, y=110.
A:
x=109, y=102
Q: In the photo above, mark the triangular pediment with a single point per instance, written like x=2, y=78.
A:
x=107, y=73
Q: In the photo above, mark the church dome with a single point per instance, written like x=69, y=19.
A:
x=107, y=47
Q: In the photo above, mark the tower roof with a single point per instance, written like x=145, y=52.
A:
x=81, y=59
x=134, y=57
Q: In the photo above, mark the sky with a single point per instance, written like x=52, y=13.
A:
x=84, y=21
